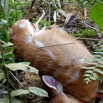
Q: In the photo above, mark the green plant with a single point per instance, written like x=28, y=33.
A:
x=97, y=16
x=5, y=54
x=7, y=65
x=94, y=65
x=54, y=6
x=85, y=32
x=11, y=11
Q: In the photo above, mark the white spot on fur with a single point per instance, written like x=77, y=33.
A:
x=50, y=54
x=22, y=26
x=28, y=39
x=74, y=77
x=39, y=44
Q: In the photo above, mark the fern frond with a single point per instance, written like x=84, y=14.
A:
x=94, y=65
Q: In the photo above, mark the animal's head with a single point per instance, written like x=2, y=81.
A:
x=21, y=27
x=56, y=89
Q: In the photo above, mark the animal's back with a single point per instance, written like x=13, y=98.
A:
x=62, y=56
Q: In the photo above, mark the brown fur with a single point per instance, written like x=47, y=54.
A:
x=65, y=67
x=62, y=98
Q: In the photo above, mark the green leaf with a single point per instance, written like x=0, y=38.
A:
x=2, y=76
x=9, y=55
x=93, y=78
x=97, y=56
x=87, y=80
x=101, y=46
x=25, y=63
x=87, y=75
x=84, y=67
x=45, y=22
x=19, y=92
x=6, y=8
x=97, y=53
x=98, y=71
x=96, y=14
x=2, y=22
x=6, y=100
x=96, y=76
x=38, y=91
x=88, y=67
x=2, y=3
x=100, y=62
x=2, y=13
x=92, y=63
x=8, y=44
x=98, y=50
x=12, y=1
x=10, y=60
x=21, y=66
x=0, y=57
x=4, y=81
x=15, y=100
x=91, y=60
x=99, y=66
x=8, y=50
x=89, y=71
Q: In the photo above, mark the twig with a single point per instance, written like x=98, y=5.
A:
x=56, y=45
x=35, y=25
x=90, y=27
x=27, y=16
x=85, y=12
x=16, y=79
x=90, y=39
x=68, y=17
x=42, y=16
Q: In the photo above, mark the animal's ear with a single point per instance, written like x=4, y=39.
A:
x=52, y=83
x=59, y=87
x=49, y=81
